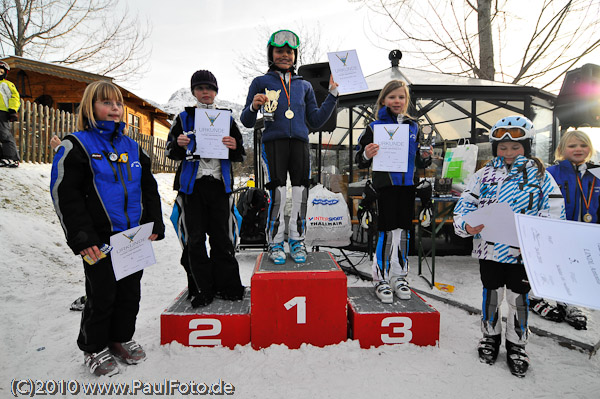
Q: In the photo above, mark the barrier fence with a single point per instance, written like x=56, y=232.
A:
x=38, y=123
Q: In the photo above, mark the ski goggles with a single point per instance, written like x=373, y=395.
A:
x=284, y=37
x=515, y=133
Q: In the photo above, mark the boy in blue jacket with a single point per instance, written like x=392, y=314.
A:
x=205, y=186
x=285, y=147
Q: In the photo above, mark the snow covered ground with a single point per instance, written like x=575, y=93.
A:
x=41, y=277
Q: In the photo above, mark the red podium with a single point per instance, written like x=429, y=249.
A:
x=374, y=323
x=294, y=303
x=222, y=323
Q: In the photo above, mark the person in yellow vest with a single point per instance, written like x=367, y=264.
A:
x=10, y=101
x=250, y=182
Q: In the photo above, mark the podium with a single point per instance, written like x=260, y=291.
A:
x=294, y=303
x=222, y=323
x=374, y=323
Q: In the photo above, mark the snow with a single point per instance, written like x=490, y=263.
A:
x=41, y=277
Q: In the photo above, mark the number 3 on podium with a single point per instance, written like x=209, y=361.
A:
x=404, y=329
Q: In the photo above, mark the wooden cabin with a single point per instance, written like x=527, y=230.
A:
x=61, y=88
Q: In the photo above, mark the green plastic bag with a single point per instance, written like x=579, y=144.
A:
x=460, y=163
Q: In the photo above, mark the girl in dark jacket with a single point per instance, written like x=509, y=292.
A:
x=396, y=194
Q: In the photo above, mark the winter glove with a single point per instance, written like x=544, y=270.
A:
x=12, y=115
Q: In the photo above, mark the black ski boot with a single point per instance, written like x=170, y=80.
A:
x=517, y=359
x=574, y=316
x=488, y=349
x=547, y=311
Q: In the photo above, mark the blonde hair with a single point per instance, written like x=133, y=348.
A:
x=573, y=134
x=96, y=91
x=387, y=89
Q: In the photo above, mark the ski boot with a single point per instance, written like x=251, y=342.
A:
x=544, y=309
x=401, y=288
x=488, y=349
x=517, y=359
x=101, y=363
x=383, y=291
x=297, y=250
x=277, y=253
x=78, y=304
x=574, y=316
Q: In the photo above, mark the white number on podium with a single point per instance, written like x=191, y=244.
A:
x=300, y=303
x=404, y=329
x=213, y=331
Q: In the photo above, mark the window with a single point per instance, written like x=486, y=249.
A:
x=68, y=107
x=133, y=123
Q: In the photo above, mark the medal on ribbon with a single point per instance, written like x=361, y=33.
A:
x=587, y=217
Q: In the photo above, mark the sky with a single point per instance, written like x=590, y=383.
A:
x=201, y=34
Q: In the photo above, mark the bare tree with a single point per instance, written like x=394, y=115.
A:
x=525, y=42
x=254, y=62
x=99, y=36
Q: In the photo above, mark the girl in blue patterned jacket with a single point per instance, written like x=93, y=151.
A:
x=516, y=178
x=395, y=194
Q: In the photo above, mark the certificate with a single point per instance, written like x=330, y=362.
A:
x=210, y=126
x=132, y=250
x=562, y=259
x=499, y=223
x=346, y=71
x=393, y=143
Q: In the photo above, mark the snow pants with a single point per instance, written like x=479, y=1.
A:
x=280, y=157
x=395, y=207
x=498, y=278
x=208, y=210
x=8, y=147
x=111, y=308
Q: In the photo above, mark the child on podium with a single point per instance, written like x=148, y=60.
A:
x=395, y=194
x=514, y=177
x=288, y=103
x=205, y=186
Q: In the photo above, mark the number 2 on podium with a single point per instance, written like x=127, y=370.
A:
x=300, y=303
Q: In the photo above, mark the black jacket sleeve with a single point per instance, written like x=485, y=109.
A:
x=365, y=139
x=239, y=154
x=70, y=195
x=152, y=211
x=174, y=151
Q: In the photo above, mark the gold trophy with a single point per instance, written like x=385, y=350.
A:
x=271, y=105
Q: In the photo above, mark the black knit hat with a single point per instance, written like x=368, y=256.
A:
x=203, y=77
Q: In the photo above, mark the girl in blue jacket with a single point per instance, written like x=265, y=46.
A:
x=581, y=191
x=396, y=194
x=291, y=102
x=102, y=184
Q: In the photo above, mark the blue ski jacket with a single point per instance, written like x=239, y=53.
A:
x=101, y=184
x=565, y=175
x=385, y=179
x=302, y=102
x=185, y=176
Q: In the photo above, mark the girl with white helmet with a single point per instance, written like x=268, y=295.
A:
x=515, y=177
